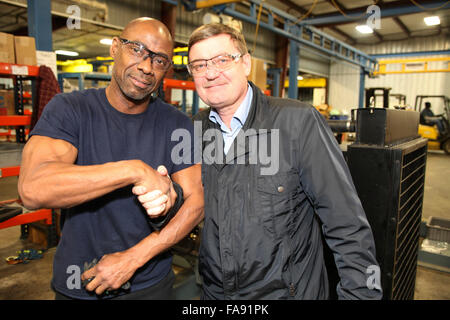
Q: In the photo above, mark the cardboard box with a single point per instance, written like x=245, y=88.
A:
x=44, y=235
x=7, y=48
x=25, y=48
x=258, y=74
x=7, y=103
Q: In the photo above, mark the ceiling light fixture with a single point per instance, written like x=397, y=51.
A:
x=432, y=21
x=364, y=29
x=67, y=53
x=299, y=78
x=106, y=41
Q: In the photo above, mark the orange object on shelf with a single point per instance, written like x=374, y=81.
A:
x=178, y=84
x=9, y=171
x=15, y=120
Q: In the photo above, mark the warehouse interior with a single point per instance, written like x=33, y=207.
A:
x=349, y=59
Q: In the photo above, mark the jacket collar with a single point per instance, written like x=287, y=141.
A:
x=256, y=119
x=258, y=109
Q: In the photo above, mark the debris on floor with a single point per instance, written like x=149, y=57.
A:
x=24, y=256
x=438, y=247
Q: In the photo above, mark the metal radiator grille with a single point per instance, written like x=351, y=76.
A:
x=408, y=218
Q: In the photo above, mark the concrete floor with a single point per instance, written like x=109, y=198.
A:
x=32, y=281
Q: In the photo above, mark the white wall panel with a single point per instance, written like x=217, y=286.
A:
x=343, y=86
x=344, y=78
x=411, y=85
x=187, y=21
x=311, y=62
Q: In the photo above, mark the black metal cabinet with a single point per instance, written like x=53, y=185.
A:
x=390, y=183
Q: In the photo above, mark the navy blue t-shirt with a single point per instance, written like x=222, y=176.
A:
x=115, y=221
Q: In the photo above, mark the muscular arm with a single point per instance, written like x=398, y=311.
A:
x=115, y=269
x=50, y=179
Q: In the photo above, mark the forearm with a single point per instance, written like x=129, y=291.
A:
x=189, y=216
x=63, y=185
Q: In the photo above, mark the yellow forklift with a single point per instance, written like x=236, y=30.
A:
x=440, y=106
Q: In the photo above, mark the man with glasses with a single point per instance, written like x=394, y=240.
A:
x=94, y=153
x=261, y=237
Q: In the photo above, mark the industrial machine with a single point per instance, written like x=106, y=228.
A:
x=387, y=163
x=440, y=106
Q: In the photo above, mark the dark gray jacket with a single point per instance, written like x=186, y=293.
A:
x=261, y=237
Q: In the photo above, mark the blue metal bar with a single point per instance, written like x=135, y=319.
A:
x=40, y=24
x=293, y=69
x=270, y=19
x=362, y=84
x=369, y=62
x=411, y=54
x=183, y=100
x=81, y=77
x=195, y=103
x=276, y=73
x=173, y=2
x=81, y=82
x=385, y=13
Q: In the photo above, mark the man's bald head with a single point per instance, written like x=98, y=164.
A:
x=140, y=26
x=133, y=74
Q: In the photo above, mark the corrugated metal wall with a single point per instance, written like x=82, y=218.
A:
x=343, y=85
x=311, y=62
x=344, y=78
x=187, y=21
x=411, y=85
x=411, y=45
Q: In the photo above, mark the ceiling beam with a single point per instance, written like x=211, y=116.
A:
x=402, y=26
x=302, y=10
x=342, y=7
x=399, y=22
x=388, y=10
x=344, y=34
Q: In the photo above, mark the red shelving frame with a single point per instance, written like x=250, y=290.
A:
x=24, y=218
x=13, y=70
x=9, y=69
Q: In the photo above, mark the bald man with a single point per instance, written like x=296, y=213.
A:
x=95, y=153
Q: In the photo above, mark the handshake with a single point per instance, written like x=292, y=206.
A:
x=162, y=199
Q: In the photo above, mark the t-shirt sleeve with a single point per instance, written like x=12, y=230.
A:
x=59, y=120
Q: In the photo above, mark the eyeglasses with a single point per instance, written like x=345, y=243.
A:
x=220, y=63
x=139, y=51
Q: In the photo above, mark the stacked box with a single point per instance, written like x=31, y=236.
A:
x=258, y=73
x=25, y=48
x=7, y=48
x=7, y=103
